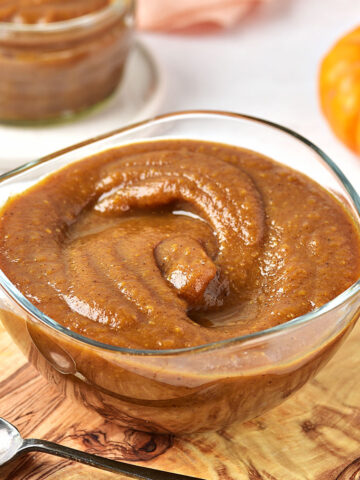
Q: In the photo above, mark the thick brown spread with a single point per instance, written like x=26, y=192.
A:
x=172, y=244
x=46, y=11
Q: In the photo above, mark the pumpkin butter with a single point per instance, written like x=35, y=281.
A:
x=172, y=244
x=59, y=58
x=46, y=11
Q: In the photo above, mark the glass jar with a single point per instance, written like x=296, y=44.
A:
x=51, y=71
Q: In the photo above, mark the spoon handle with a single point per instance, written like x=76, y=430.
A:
x=133, y=471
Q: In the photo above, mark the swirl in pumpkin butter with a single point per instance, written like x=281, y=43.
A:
x=172, y=244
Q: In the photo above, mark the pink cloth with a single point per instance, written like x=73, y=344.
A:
x=175, y=15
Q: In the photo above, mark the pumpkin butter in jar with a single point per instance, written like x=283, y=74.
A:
x=60, y=58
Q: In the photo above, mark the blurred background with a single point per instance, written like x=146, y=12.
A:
x=266, y=66
x=255, y=57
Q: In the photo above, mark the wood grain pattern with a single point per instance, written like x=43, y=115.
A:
x=313, y=436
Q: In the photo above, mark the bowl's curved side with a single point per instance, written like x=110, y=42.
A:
x=188, y=393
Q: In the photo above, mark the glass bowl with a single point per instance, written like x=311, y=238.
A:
x=52, y=71
x=200, y=388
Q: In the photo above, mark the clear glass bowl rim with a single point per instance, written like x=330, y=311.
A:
x=267, y=333
x=81, y=22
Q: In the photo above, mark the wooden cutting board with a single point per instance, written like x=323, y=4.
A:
x=315, y=435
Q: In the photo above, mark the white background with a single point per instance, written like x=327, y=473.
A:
x=268, y=67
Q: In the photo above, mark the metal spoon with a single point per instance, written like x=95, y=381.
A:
x=12, y=445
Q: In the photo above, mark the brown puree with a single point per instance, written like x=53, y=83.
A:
x=51, y=70
x=172, y=244
x=46, y=11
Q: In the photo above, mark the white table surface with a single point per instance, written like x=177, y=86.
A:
x=266, y=67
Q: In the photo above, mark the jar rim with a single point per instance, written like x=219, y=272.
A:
x=81, y=22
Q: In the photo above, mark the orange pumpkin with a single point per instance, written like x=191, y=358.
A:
x=339, y=89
